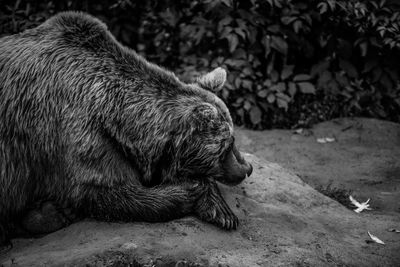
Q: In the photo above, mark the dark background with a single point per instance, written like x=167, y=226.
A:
x=290, y=63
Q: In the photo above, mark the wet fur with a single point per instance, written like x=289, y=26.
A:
x=93, y=126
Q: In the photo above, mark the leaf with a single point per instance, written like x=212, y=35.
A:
x=241, y=23
x=306, y=88
x=252, y=35
x=323, y=7
x=247, y=71
x=319, y=68
x=225, y=32
x=363, y=48
x=240, y=113
x=274, y=76
x=375, y=239
x=324, y=140
x=279, y=44
x=240, y=54
x=286, y=20
x=225, y=93
x=278, y=3
x=238, y=82
x=239, y=100
x=301, y=77
x=292, y=89
x=267, y=83
x=247, y=84
x=274, y=28
x=297, y=26
x=225, y=21
x=271, y=98
x=247, y=105
x=342, y=79
x=263, y=93
x=331, y=4
x=233, y=42
x=348, y=68
x=287, y=71
x=282, y=103
x=227, y=2
x=240, y=32
x=255, y=115
x=279, y=87
x=298, y=131
x=283, y=96
x=266, y=41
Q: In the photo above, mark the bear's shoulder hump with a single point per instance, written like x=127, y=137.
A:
x=75, y=22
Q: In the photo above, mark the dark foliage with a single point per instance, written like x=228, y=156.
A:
x=291, y=63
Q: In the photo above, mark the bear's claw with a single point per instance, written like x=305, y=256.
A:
x=212, y=208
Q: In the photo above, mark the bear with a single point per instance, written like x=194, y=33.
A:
x=87, y=123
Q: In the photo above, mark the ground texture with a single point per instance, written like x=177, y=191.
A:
x=284, y=221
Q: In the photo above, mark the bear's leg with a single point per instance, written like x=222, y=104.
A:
x=211, y=207
x=133, y=202
x=45, y=217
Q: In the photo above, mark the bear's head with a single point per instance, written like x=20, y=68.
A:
x=210, y=150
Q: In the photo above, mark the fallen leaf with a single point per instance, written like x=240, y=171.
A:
x=298, y=131
x=330, y=139
x=324, y=140
x=360, y=206
x=375, y=239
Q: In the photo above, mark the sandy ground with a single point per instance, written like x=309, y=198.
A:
x=284, y=221
x=365, y=157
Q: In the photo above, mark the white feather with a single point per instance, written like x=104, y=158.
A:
x=360, y=206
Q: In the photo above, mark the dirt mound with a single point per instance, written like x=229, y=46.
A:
x=284, y=222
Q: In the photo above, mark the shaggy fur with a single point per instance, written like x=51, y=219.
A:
x=93, y=126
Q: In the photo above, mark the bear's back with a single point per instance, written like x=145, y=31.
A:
x=73, y=56
x=74, y=28
x=43, y=68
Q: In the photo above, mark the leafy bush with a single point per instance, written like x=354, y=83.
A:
x=289, y=63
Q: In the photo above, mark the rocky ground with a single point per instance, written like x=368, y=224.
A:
x=284, y=220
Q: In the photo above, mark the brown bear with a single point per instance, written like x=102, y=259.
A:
x=89, y=124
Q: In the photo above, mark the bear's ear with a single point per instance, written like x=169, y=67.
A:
x=213, y=80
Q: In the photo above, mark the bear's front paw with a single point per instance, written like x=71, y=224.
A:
x=217, y=213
